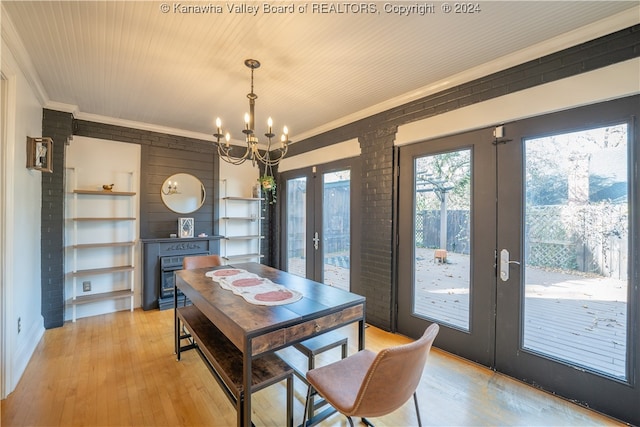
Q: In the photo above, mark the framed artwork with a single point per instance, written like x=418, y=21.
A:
x=40, y=154
x=185, y=227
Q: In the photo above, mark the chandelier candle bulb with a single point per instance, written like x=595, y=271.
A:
x=269, y=124
x=246, y=121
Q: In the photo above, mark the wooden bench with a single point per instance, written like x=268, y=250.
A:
x=224, y=360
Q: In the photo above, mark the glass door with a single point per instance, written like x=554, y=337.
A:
x=447, y=239
x=567, y=217
x=318, y=223
x=525, y=250
x=296, y=220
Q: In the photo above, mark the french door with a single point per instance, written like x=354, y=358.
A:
x=525, y=248
x=318, y=227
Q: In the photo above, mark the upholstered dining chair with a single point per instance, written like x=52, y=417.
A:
x=367, y=384
x=200, y=261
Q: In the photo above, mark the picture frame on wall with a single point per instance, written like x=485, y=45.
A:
x=40, y=154
x=185, y=227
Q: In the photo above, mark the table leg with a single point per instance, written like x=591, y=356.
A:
x=246, y=377
x=175, y=320
x=361, y=327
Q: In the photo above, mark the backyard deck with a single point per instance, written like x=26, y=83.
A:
x=569, y=317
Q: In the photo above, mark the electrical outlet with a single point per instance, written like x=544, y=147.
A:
x=86, y=286
x=19, y=324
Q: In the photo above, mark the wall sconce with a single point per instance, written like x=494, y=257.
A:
x=40, y=154
x=172, y=188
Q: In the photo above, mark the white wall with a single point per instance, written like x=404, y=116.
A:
x=238, y=181
x=90, y=163
x=339, y=151
x=21, y=206
x=615, y=81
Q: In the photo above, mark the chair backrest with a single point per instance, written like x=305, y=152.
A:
x=394, y=376
x=200, y=261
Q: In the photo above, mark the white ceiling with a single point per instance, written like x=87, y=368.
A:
x=128, y=62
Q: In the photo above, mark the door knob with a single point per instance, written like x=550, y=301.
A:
x=504, y=265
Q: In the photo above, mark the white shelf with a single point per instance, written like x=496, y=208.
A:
x=81, y=201
x=241, y=227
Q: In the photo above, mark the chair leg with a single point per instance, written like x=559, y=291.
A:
x=290, y=400
x=351, y=421
x=306, y=406
x=366, y=422
x=415, y=400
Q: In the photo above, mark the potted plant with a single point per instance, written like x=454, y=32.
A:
x=268, y=185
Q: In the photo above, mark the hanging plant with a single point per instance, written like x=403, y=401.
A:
x=268, y=184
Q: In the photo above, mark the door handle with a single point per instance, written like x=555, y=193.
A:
x=504, y=265
x=316, y=240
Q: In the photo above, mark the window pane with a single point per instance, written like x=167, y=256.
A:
x=296, y=226
x=442, y=237
x=336, y=228
x=576, y=248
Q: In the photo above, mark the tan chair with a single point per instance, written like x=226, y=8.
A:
x=197, y=261
x=367, y=384
x=201, y=261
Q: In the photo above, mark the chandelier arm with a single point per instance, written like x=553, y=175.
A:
x=225, y=154
x=267, y=160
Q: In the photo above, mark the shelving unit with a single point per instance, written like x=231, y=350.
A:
x=242, y=232
x=104, y=236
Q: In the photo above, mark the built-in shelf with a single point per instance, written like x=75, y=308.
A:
x=103, y=245
x=242, y=256
x=103, y=296
x=242, y=218
x=252, y=237
x=105, y=193
x=105, y=270
x=241, y=227
x=83, y=200
x=249, y=199
x=104, y=219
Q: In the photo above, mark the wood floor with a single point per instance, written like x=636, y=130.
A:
x=120, y=370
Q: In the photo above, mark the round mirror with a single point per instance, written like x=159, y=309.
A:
x=183, y=193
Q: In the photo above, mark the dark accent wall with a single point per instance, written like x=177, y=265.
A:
x=163, y=155
x=58, y=126
x=377, y=133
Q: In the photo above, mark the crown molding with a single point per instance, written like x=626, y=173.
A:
x=580, y=35
x=16, y=46
x=138, y=125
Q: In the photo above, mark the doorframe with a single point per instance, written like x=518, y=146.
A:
x=476, y=344
x=586, y=382
x=7, y=161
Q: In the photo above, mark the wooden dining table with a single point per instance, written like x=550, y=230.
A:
x=259, y=329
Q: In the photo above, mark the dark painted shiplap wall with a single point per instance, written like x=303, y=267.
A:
x=162, y=156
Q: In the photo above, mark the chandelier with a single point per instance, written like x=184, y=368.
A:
x=251, y=152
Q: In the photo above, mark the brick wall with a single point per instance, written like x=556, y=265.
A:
x=58, y=126
x=376, y=135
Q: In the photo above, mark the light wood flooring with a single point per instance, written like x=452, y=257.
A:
x=120, y=370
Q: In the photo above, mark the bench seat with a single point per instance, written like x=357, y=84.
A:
x=225, y=360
